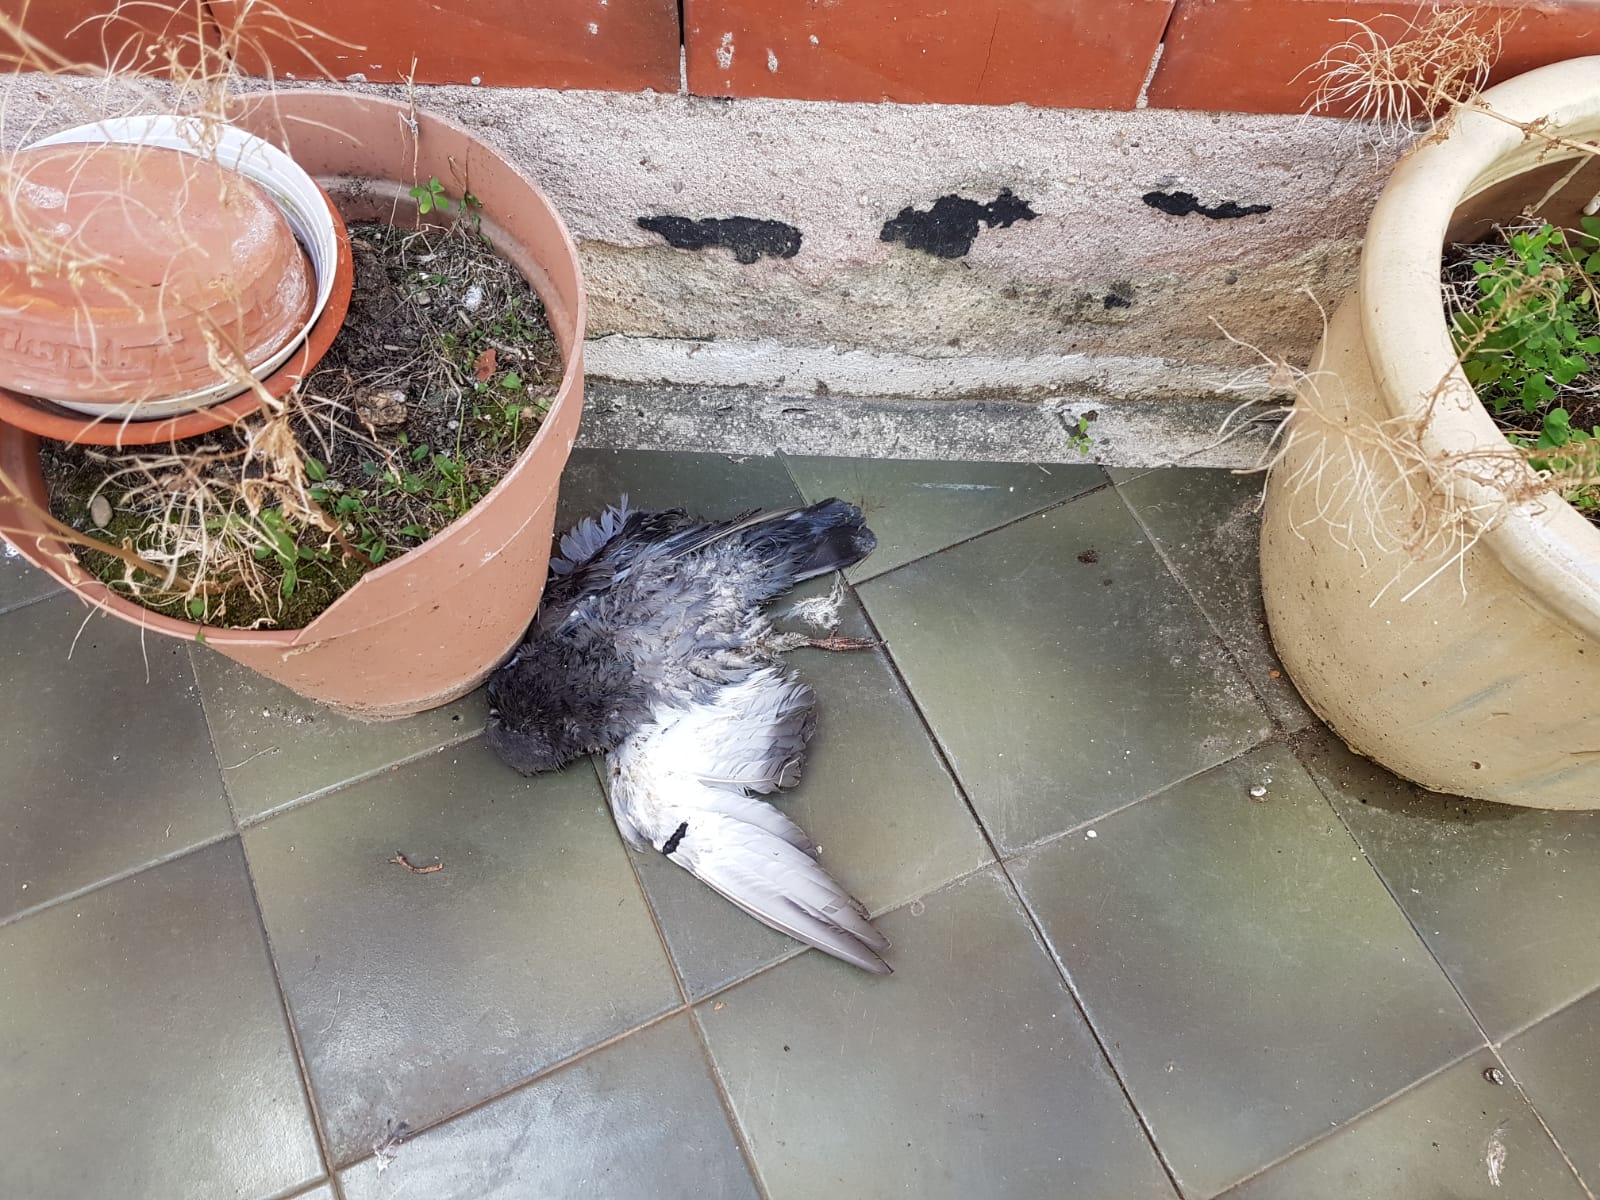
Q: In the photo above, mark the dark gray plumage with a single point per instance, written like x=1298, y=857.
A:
x=650, y=646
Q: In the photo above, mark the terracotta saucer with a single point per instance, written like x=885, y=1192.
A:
x=52, y=421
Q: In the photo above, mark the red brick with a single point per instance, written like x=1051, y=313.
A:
x=74, y=30
x=1245, y=55
x=1064, y=53
x=618, y=45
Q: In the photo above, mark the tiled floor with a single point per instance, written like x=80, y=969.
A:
x=1119, y=975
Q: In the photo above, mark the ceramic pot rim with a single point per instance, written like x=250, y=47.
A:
x=1545, y=543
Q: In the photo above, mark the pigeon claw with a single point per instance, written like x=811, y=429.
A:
x=844, y=643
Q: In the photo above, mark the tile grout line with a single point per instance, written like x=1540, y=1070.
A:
x=1050, y=506
x=686, y=1004
x=161, y=859
x=1493, y=1045
x=1205, y=614
x=964, y=541
x=1050, y=839
x=19, y=605
x=735, y=1126
x=1335, y=1131
x=1282, y=736
x=302, y=1064
x=1041, y=942
x=554, y=1068
x=1543, y=1124
x=90, y=889
x=211, y=737
x=256, y=820
x=683, y=1009
x=1533, y=1022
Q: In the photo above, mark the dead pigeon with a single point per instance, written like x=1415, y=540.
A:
x=650, y=646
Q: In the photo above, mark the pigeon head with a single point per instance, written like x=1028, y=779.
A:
x=541, y=717
x=531, y=749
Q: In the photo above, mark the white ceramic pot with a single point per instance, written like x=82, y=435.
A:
x=1485, y=679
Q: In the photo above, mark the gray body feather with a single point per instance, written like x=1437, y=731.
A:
x=650, y=646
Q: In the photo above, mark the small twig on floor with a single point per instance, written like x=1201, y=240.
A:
x=402, y=860
x=252, y=758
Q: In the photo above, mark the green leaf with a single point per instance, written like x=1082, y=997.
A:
x=315, y=471
x=290, y=579
x=1557, y=430
x=511, y=381
x=196, y=607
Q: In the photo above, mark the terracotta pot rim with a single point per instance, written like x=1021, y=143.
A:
x=302, y=638
x=1545, y=543
x=49, y=420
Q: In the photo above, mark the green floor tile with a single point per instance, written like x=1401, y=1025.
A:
x=640, y=1118
x=1438, y=1140
x=275, y=748
x=20, y=583
x=416, y=995
x=1208, y=526
x=968, y=1072
x=1557, y=1062
x=875, y=797
x=104, y=755
x=144, y=1044
x=707, y=485
x=918, y=507
x=1252, y=977
x=1063, y=668
x=1507, y=898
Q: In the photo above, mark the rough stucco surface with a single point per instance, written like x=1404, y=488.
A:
x=1099, y=293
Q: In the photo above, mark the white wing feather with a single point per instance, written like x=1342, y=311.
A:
x=682, y=783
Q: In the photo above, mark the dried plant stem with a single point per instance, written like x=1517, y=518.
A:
x=62, y=532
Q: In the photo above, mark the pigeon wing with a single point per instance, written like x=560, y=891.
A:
x=779, y=885
x=596, y=553
x=683, y=784
x=587, y=538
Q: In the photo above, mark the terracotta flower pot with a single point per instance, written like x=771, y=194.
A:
x=428, y=626
x=1483, y=680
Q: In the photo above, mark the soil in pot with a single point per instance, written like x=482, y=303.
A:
x=1524, y=314
x=438, y=380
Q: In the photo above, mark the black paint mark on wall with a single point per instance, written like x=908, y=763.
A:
x=747, y=237
x=1120, y=295
x=948, y=229
x=1181, y=204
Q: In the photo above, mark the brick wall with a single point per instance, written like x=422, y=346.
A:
x=1239, y=55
